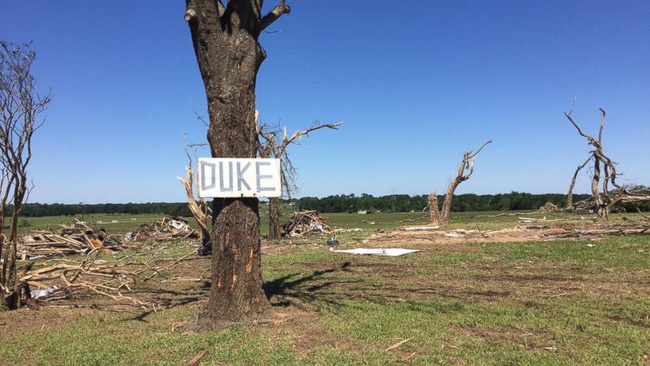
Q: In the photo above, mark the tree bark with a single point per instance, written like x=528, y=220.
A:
x=229, y=56
x=569, y=196
x=434, y=211
x=274, y=218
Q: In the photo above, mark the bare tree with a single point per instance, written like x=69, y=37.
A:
x=20, y=107
x=569, y=196
x=271, y=145
x=465, y=170
x=605, y=199
x=225, y=39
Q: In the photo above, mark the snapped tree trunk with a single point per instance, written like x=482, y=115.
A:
x=434, y=211
x=465, y=171
x=569, y=196
x=225, y=40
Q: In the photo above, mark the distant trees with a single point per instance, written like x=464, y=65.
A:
x=337, y=203
x=404, y=203
x=20, y=109
x=59, y=209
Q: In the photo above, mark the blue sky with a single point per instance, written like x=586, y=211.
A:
x=415, y=82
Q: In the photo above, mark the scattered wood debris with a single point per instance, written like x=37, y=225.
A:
x=165, y=229
x=62, y=279
x=306, y=222
x=75, y=238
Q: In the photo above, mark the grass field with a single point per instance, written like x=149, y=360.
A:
x=567, y=302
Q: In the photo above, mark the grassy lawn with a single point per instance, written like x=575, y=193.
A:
x=532, y=303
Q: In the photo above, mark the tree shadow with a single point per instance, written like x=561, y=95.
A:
x=297, y=289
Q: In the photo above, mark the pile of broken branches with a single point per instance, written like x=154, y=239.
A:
x=76, y=238
x=61, y=279
x=306, y=222
x=165, y=229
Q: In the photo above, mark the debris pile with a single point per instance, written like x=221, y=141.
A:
x=165, y=229
x=76, y=238
x=304, y=223
x=549, y=207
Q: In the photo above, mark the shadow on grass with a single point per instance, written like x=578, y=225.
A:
x=297, y=289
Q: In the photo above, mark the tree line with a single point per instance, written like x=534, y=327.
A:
x=405, y=203
x=350, y=203
x=60, y=209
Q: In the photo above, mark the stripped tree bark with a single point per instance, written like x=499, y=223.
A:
x=569, y=196
x=434, y=211
x=271, y=146
x=225, y=39
x=465, y=171
x=604, y=198
x=20, y=109
x=199, y=208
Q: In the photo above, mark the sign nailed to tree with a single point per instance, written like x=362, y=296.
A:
x=235, y=177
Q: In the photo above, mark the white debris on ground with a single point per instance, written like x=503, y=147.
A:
x=389, y=252
x=454, y=235
x=419, y=228
x=37, y=294
x=353, y=230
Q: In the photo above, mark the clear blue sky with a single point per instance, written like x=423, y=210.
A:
x=415, y=82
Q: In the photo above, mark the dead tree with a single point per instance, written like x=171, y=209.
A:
x=272, y=146
x=225, y=40
x=605, y=199
x=569, y=196
x=199, y=208
x=465, y=170
x=20, y=108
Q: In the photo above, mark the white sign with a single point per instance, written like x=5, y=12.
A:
x=234, y=177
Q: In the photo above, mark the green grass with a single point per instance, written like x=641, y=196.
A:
x=534, y=303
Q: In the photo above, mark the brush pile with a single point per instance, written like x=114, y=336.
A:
x=75, y=238
x=165, y=229
x=549, y=208
x=304, y=223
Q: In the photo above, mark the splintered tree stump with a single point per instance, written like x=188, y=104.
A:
x=434, y=211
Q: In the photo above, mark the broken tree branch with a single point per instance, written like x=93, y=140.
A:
x=275, y=14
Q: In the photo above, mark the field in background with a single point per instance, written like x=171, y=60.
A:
x=483, y=220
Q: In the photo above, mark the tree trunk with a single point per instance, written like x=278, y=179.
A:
x=434, y=211
x=449, y=195
x=601, y=206
x=465, y=170
x=229, y=56
x=569, y=196
x=274, y=218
